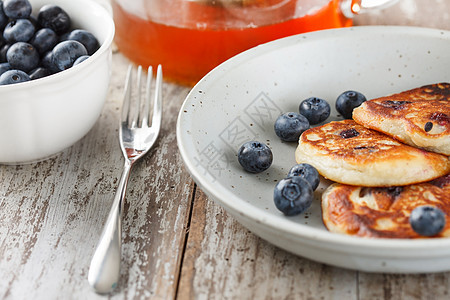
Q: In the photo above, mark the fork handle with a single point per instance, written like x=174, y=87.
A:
x=104, y=270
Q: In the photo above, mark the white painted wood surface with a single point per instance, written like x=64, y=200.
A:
x=52, y=212
x=177, y=243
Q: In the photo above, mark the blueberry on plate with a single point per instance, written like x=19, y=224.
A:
x=293, y=195
x=89, y=41
x=54, y=17
x=307, y=172
x=347, y=101
x=289, y=126
x=255, y=156
x=44, y=40
x=64, y=54
x=316, y=110
x=21, y=30
x=13, y=76
x=17, y=9
x=427, y=220
x=22, y=56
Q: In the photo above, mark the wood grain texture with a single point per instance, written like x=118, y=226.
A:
x=52, y=212
x=223, y=260
x=389, y=286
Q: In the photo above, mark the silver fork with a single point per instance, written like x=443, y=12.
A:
x=137, y=137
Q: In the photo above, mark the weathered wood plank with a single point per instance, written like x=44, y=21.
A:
x=398, y=286
x=52, y=212
x=224, y=260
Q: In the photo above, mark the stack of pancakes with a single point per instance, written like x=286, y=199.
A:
x=392, y=157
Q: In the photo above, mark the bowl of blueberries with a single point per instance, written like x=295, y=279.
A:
x=55, y=68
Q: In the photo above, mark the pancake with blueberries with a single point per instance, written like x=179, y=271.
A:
x=419, y=117
x=349, y=153
x=383, y=212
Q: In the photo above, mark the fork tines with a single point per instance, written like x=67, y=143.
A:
x=137, y=103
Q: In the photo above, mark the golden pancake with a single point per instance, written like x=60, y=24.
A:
x=419, y=117
x=349, y=153
x=382, y=212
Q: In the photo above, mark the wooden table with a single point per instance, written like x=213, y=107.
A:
x=177, y=243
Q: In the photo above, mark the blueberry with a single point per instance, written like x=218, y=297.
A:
x=13, y=76
x=4, y=67
x=3, y=17
x=64, y=37
x=347, y=101
x=44, y=40
x=349, y=133
x=3, y=51
x=255, y=157
x=307, y=172
x=89, y=41
x=65, y=53
x=21, y=30
x=47, y=62
x=316, y=110
x=80, y=59
x=22, y=56
x=39, y=72
x=293, y=195
x=289, y=126
x=34, y=21
x=55, y=18
x=427, y=220
x=17, y=9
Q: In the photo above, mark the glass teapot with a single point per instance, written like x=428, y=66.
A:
x=190, y=37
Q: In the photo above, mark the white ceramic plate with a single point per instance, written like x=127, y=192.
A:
x=240, y=100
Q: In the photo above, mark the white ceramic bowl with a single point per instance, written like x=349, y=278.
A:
x=42, y=117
